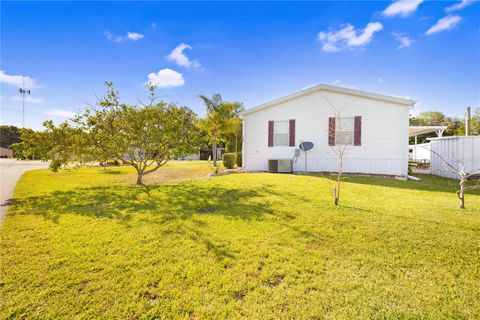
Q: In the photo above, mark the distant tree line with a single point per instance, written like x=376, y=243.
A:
x=455, y=126
x=9, y=135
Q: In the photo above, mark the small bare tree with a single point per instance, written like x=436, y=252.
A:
x=338, y=148
x=460, y=169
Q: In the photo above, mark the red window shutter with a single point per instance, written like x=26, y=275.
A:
x=357, y=131
x=270, y=133
x=292, y=133
x=331, y=131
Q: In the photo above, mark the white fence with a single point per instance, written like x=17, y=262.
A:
x=460, y=150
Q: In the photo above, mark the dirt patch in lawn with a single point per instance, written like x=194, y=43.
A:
x=168, y=175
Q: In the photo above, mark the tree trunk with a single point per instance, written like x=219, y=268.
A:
x=214, y=149
x=461, y=194
x=339, y=181
x=139, y=179
x=337, y=193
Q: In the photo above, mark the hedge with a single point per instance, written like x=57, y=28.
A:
x=229, y=160
x=239, y=159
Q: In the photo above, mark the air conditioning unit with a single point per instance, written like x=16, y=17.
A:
x=280, y=165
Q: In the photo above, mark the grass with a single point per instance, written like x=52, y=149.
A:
x=86, y=244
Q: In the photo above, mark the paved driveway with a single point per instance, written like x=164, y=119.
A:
x=10, y=172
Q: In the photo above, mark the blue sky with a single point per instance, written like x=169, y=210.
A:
x=251, y=52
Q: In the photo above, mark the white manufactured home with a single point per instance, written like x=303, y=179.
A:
x=373, y=128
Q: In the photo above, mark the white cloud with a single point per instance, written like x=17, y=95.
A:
x=153, y=25
x=27, y=99
x=60, y=113
x=166, y=78
x=402, y=8
x=134, y=36
x=180, y=58
x=403, y=39
x=459, y=6
x=110, y=36
x=17, y=80
x=444, y=23
x=348, y=37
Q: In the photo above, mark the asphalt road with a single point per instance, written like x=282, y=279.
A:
x=10, y=172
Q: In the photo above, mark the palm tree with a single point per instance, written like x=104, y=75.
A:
x=220, y=119
x=212, y=104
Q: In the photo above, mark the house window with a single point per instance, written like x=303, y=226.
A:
x=281, y=133
x=344, y=131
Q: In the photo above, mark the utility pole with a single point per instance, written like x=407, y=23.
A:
x=23, y=92
x=468, y=119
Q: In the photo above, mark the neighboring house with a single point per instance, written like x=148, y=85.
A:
x=6, y=152
x=206, y=153
x=190, y=157
x=373, y=127
x=419, y=152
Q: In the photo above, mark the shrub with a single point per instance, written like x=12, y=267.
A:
x=411, y=165
x=229, y=160
x=239, y=159
x=212, y=168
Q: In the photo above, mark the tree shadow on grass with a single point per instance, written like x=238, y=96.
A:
x=170, y=205
x=427, y=183
x=169, y=202
x=113, y=172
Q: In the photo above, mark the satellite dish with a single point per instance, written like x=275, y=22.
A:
x=305, y=146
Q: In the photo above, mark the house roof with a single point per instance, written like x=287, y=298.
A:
x=326, y=87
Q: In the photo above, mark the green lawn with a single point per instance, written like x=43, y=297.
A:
x=87, y=244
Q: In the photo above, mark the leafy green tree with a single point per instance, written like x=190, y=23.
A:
x=145, y=137
x=435, y=118
x=455, y=126
x=474, y=125
x=233, y=132
x=9, y=135
x=60, y=145
x=222, y=120
x=28, y=146
x=64, y=144
x=431, y=118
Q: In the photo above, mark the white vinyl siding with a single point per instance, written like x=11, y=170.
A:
x=344, y=131
x=456, y=151
x=384, y=148
x=281, y=134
